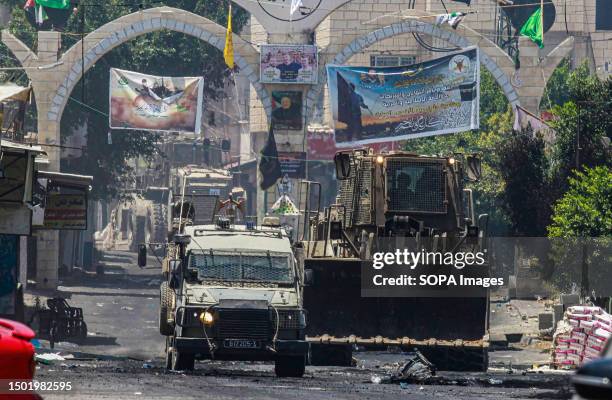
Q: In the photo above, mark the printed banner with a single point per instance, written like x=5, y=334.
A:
x=287, y=110
x=321, y=146
x=66, y=211
x=293, y=164
x=289, y=64
x=376, y=104
x=155, y=103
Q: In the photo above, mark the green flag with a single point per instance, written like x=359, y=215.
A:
x=534, y=28
x=59, y=4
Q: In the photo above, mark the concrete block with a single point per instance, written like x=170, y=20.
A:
x=568, y=300
x=557, y=314
x=545, y=321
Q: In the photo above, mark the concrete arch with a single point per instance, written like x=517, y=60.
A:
x=492, y=57
x=121, y=30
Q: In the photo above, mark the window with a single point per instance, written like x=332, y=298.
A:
x=603, y=15
x=391, y=60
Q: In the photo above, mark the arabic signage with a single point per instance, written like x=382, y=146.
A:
x=155, y=103
x=322, y=146
x=435, y=97
x=66, y=211
x=293, y=164
x=287, y=110
x=289, y=64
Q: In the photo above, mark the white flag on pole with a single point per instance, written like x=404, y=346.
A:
x=295, y=5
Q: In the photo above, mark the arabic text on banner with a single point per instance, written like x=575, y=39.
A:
x=155, y=103
x=377, y=104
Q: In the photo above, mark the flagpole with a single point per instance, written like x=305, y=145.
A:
x=542, y=19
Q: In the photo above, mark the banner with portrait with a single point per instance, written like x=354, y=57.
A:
x=289, y=64
x=287, y=110
x=378, y=104
x=155, y=103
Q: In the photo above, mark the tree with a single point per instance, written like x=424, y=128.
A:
x=556, y=92
x=523, y=167
x=158, y=53
x=585, y=210
x=587, y=114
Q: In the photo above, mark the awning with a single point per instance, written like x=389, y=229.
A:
x=14, y=147
x=14, y=92
x=67, y=180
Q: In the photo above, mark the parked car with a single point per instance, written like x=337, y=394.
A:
x=16, y=355
x=593, y=381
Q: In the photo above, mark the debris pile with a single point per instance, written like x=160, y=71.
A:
x=581, y=336
x=417, y=369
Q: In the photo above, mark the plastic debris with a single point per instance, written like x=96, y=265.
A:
x=126, y=308
x=376, y=379
x=147, y=366
x=49, y=358
x=495, y=381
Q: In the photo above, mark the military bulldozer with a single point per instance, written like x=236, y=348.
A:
x=383, y=201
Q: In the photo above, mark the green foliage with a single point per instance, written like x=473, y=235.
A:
x=523, y=166
x=556, y=92
x=588, y=114
x=159, y=53
x=585, y=210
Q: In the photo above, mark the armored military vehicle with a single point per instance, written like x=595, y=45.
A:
x=385, y=200
x=232, y=292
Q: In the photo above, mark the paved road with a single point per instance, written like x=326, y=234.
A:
x=121, y=312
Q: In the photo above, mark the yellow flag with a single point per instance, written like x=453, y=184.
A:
x=228, y=52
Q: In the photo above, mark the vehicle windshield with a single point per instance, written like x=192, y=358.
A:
x=237, y=266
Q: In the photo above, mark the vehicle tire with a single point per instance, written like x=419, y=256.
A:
x=182, y=361
x=168, y=353
x=290, y=366
x=165, y=306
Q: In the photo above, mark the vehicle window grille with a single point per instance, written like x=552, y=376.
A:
x=363, y=212
x=347, y=195
x=241, y=266
x=416, y=186
x=289, y=319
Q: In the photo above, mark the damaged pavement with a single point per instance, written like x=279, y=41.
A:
x=122, y=357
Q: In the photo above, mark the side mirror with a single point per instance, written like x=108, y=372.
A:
x=308, y=277
x=343, y=165
x=142, y=255
x=473, y=167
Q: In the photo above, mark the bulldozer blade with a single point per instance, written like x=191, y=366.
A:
x=449, y=331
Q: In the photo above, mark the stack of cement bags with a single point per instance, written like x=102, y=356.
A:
x=581, y=336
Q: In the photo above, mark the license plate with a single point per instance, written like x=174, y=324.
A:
x=240, y=344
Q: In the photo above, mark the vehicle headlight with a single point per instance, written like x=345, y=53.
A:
x=207, y=318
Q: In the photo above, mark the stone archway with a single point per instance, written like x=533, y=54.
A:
x=53, y=78
x=491, y=56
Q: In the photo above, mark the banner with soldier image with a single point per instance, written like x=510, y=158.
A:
x=155, y=103
x=378, y=104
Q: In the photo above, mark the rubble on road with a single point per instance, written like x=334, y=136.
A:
x=417, y=369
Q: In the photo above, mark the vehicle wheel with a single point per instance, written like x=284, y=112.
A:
x=168, y=353
x=165, y=305
x=182, y=361
x=290, y=366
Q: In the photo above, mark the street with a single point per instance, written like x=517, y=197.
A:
x=122, y=357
